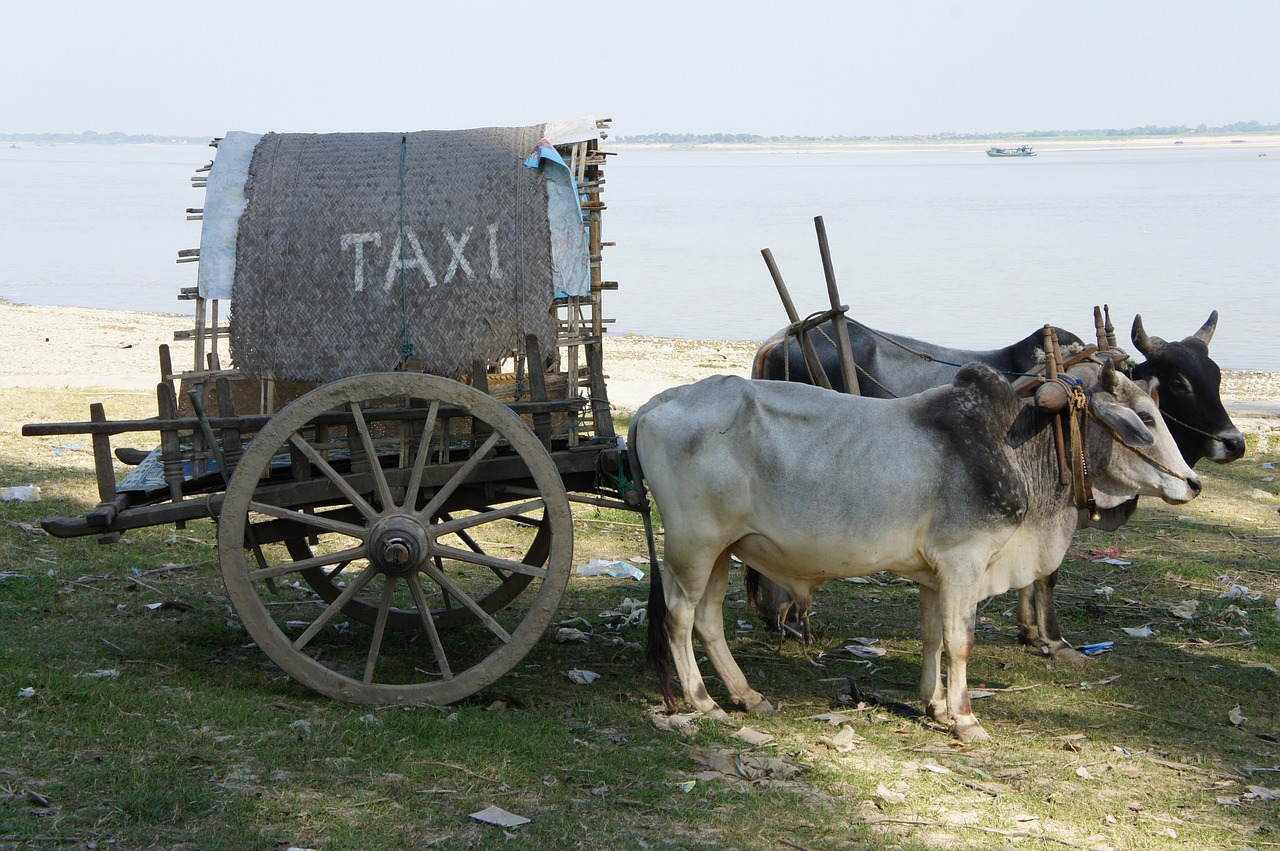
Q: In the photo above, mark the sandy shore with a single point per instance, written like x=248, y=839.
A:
x=46, y=347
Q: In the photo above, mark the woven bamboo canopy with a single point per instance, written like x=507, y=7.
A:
x=357, y=250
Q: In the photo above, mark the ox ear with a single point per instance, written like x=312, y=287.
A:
x=1205, y=334
x=1146, y=346
x=1124, y=421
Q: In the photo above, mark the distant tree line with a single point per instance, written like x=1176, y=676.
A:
x=93, y=137
x=750, y=138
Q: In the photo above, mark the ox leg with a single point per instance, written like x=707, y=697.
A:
x=959, y=611
x=684, y=595
x=709, y=621
x=1038, y=624
x=1028, y=623
x=931, y=692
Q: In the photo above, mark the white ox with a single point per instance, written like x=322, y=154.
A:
x=956, y=488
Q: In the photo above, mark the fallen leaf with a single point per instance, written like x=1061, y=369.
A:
x=583, y=678
x=753, y=737
x=682, y=724
x=889, y=795
x=1236, y=717
x=842, y=742
x=1262, y=793
x=741, y=766
x=101, y=674
x=500, y=817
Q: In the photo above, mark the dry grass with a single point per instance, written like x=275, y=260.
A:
x=197, y=741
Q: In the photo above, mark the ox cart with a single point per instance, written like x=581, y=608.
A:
x=414, y=398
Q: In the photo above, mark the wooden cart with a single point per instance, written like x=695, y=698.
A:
x=388, y=537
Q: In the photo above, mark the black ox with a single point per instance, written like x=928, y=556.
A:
x=1182, y=376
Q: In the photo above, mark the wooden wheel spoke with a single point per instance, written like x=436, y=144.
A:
x=315, y=521
x=433, y=507
x=490, y=561
x=366, y=440
x=336, y=606
x=420, y=460
x=343, y=556
x=429, y=624
x=451, y=525
x=360, y=503
x=447, y=584
x=379, y=627
x=337, y=568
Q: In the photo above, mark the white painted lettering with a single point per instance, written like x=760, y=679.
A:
x=495, y=271
x=416, y=260
x=458, y=260
x=358, y=242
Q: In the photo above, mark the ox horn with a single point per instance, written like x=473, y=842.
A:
x=1144, y=344
x=1205, y=334
x=1110, y=377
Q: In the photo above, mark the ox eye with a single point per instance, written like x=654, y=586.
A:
x=1179, y=385
x=1146, y=418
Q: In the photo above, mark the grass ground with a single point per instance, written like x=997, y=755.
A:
x=136, y=713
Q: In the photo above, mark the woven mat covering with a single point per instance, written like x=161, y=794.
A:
x=353, y=244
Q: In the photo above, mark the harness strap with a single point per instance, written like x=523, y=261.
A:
x=1078, y=412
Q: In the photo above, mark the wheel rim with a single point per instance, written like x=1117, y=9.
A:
x=439, y=539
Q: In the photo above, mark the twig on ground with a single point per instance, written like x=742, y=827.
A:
x=1012, y=834
x=169, y=567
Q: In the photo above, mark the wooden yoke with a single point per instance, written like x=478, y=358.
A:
x=816, y=373
x=1053, y=366
x=800, y=328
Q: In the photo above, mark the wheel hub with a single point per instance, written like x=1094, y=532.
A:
x=399, y=546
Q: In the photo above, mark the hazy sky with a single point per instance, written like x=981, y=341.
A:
x=803, y=68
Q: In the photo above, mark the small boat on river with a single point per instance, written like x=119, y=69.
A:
x=1021, y=151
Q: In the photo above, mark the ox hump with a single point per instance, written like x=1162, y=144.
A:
x=973, y=420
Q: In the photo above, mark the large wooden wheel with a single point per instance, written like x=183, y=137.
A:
x=428, y=519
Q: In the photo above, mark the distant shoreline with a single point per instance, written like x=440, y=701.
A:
x=891, y=144
x=1195, y=141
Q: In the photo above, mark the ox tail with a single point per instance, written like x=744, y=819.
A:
x=755, y=594
x=658, y=649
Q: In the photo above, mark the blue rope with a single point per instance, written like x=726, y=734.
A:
x=406, y=346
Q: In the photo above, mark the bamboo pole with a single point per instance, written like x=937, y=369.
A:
x=816, y=373
x=843, y=347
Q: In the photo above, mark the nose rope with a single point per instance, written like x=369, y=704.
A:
x=1171, y=418
x=1135, y=450
x=1080, y=414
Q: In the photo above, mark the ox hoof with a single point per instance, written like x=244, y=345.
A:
x=971, y=732
x=1064, y=652
x=718, y=714
x=760, y=707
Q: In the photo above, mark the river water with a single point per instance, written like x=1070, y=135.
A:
x=951, y=247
